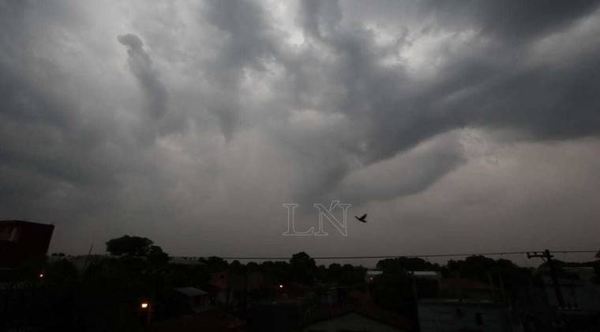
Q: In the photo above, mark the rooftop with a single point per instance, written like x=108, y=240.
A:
x=190, y=291
x=425, y=274
x=464, y=284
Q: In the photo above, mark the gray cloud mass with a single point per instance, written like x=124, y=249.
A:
x=193, y=123
x=141, y=66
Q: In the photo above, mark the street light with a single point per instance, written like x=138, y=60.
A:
x=145, y=313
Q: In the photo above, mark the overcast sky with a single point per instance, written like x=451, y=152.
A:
x=458, y=126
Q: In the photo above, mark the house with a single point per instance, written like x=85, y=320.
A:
x=358, y=314
x=332, y=295
x=446, y=315
x=194, y=299
x=282, y=315
x=463, y=304
x=298, y=308
x=462, y=288
x=374, y=312
x=352, y=321
x=578, y=291
x=276, y=316
x=581, y=298
x=371, y=274
x=430, y=275
x=293, y=290
x=426, y=284
x=23, y=242
x=212, y=321
x=256, y=280
x=290, y=307
x=220, y=292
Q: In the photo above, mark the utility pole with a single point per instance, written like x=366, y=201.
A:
x=87, y=258
x=547, y=257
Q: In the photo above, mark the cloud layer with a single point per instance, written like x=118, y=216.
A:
x=193, y=123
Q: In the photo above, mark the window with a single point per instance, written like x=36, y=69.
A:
x=9, y=233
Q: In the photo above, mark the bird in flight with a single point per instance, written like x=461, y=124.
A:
x=363, y=218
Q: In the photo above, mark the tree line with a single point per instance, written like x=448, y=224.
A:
x=106, y=294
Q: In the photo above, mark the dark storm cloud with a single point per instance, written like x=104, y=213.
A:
x=545, y=103
x=141, y=66
x=61, y=149
x=247, y=43
x=512, y=20
x=489, y=87
x=319, y=18
x=40, y=131
x=406, y=174
x=382, y=102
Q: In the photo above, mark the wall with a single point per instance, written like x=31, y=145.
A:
x=441, y=316
x=350, y=322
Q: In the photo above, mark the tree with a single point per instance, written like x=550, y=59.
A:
x=501, y=273
x=303, y=268
x=406, y=264
x=157, y=256
x=111, y=288
x=352, y=275
x=474, y=267
x=334, y=272
x=129, y=245
x=214, y=263
x=276, y=272
x=393, y=291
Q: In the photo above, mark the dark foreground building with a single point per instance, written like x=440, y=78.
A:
x=22, y=242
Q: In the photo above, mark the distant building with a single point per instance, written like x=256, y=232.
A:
x=463, y=304
x=333, y=295
x=579, y=292
x=219, y=288
x=581, y=298
x=446, y=315
x=426, y=284
x=432, y=275
x=22, y=242
x=463, y=288
x=371, y=274
x=195, y=300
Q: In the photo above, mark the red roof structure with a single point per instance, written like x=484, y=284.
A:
x=22, y=242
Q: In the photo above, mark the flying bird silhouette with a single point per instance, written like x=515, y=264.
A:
x=363, y=218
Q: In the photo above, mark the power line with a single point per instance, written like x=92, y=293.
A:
x=508, y=253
